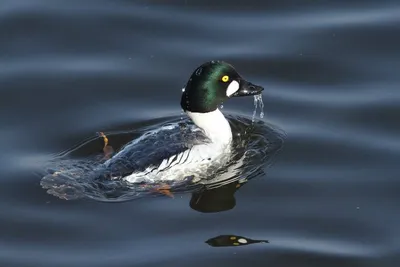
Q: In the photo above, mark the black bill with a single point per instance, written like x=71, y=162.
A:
x=248, y=89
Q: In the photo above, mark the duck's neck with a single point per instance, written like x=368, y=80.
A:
x=214, y=126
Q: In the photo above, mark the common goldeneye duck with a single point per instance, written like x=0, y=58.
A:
x=199, y=150
x=207, y=88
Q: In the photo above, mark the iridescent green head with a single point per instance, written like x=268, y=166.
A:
x=211, y=84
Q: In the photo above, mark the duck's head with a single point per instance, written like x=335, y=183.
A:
x=211, y=84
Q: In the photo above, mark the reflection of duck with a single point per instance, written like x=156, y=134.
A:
x=216, y=199
x=210, y=84
x=231, y=241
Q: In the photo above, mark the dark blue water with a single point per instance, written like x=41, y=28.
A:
x=69, y=69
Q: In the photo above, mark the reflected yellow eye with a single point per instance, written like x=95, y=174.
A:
x=225, y=78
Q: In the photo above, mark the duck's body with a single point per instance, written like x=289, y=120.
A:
x=169, y=154
x=207, y=88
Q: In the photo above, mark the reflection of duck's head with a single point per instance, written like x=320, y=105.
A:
x=232, y=240
x=217, y=199
x=208, y=87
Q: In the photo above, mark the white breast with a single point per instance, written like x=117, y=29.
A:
x=214, y=125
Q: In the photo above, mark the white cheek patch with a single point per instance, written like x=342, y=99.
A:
x=232, y=88
x=242, y=241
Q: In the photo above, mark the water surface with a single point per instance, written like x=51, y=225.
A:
x=69, y=69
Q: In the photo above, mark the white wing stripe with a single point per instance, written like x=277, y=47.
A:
x=170, y=159
x=184, y=156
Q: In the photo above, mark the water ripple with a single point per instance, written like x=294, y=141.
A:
x=69, y=69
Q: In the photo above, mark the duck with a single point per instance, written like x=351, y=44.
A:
x=208, y=87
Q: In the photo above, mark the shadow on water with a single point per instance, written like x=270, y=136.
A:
x=217, y=199
x=69, y=174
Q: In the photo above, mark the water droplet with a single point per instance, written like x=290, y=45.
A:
x=222, y=106
x=258, y=102
x=198, y=71
x=183, y=89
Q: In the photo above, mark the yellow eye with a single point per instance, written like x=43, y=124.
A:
x=225, y=78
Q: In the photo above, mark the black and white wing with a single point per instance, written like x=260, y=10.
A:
x=154, y=151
